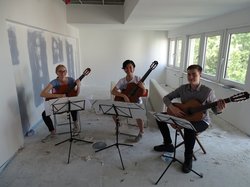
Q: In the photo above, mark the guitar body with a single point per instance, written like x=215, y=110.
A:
x=63, y=89
x=188, y=109
x=72, y=93
x=133, y=92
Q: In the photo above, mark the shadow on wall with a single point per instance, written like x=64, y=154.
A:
x=22, y=97
x=23, y=100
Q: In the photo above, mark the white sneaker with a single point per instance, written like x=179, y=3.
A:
x=138, y=137
x=48, y=138
x=76, y=128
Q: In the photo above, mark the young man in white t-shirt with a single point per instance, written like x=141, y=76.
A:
x=118, y=90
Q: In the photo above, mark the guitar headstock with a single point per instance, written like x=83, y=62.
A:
x=86, y=71
x=153, y=65
x=239, y=97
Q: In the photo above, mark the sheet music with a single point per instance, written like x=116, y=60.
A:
x=125, y=109
x=61, y=105
x=175, y=120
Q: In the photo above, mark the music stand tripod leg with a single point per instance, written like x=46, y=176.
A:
x=71, y=134
x=174, y=159
x=117, y=122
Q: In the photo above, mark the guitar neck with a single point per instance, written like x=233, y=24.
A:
x=81, y=77
x=146, y=75
x=73, y=85
x=152, y=66
x=207, y=106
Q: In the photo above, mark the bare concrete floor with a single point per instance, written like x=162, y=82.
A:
x=227, y=162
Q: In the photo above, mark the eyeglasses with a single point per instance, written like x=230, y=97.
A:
x=62, y=71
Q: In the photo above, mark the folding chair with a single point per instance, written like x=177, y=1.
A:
x=62, y=119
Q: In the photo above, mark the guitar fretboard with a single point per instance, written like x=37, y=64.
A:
x=207, y=106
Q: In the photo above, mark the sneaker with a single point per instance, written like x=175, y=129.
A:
x=138, y=137
x=164, y=148
x=187, y=166
x=76, y=128
x=48, y=138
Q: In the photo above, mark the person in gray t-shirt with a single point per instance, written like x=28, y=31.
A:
x=194, y=92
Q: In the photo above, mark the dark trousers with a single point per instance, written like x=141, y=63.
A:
x=189, y=135
x=48, y=122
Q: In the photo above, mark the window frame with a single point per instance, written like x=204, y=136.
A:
x=188, y=49
x=206, y=35
x=222, y=80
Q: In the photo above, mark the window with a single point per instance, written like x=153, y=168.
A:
x=224, y=56
x=212, y=55
x=238, y=52
x=171, y=53
x=178, y=53
x=193, y=50
x=175, y=53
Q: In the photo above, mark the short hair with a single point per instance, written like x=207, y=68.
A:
x=59, y=66
x=126, y=62
x=195, y=66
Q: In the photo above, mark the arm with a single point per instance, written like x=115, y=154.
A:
x=220, y=103
x=116, y=92
x=46, y=93
x=142, y=86
x=167, y=101
x=77, y=87
x=220, y=106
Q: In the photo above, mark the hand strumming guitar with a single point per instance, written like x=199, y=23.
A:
x=176, y=111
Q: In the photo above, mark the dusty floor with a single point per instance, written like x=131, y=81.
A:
x=227, y=162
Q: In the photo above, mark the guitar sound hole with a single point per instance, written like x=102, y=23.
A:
x=190, y=111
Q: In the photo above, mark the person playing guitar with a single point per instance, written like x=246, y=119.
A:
x=129, y=67
x=62, y=86
x=193, y=91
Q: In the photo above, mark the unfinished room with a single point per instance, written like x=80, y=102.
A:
x=107, y=93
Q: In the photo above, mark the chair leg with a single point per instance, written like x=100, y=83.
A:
x=202, y=148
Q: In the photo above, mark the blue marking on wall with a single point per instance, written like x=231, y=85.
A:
x=38, y=63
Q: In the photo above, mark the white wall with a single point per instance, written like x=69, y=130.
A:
x=49, y=18
x=236, y=114
x=104, y=51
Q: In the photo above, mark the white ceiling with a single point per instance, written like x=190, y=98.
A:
x=170, y=14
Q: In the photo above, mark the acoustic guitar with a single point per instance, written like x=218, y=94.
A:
x=133, y=91
x=69, y=91
x=194, y=109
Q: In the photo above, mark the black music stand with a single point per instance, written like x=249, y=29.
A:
x=68, y=105
x=117, y=109
x=179, y=123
